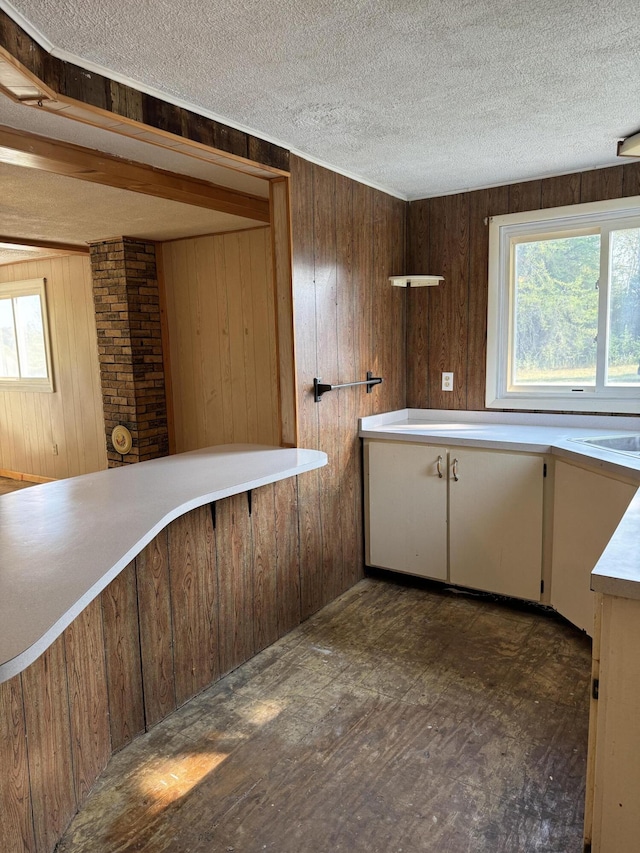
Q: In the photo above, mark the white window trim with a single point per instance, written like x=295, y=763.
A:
x=501, y=231
x=29, y=287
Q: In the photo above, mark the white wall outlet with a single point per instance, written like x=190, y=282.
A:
x=447, y=381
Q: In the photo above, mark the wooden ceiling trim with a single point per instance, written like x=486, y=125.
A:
x=49, y=245
x=28, y=150
x=97, y=99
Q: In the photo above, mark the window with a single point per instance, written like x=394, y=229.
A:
x=25, y=358
x=564, y=308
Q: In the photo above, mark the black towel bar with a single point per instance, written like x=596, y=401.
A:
x=320, y=388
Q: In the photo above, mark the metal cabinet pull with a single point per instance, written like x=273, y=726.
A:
x=454, y=470
x=439, y=466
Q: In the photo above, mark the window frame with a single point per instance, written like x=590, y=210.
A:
x=30, y=287
x=504, y=233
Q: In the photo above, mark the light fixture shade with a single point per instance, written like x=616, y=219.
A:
x=629, y=147
x=415, y=280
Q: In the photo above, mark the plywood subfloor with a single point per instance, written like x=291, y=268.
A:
x=398, y=719
x=9, y=485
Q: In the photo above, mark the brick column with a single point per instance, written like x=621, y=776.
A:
x=125, y=293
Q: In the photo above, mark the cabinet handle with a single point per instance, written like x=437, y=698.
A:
x=439, y=466
x=454, y=470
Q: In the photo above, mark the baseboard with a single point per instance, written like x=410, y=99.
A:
x=27, y=478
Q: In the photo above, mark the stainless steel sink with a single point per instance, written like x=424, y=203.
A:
x=629, y=443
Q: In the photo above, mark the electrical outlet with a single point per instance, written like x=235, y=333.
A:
x=55, y=449
x=447, y=381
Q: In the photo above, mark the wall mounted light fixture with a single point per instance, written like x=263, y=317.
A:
x=629, y=147
x=415, y=280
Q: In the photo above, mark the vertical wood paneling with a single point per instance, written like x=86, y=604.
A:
x=16, y=819
x=326, y=288
x=281, y=236
x=287, y=554
x=194, y=602
x=221, y=317
x=483, y=204
x=304, y=293
x=601, y=184
x=156, y=645
x=561, y=190
x=235, y=581
x=418, y=303
x=46, y=705
x=122, y=651
x=448, y=311
x=264, y=573
x=453, y=234
x=88, y=701
x=71, y=417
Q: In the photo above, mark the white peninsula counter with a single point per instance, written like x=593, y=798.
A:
x=62, y=543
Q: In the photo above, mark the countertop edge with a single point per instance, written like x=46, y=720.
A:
x=315, y=459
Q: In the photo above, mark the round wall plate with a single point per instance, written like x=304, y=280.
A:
x=121, y=439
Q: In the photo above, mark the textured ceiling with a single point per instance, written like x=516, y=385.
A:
x=419, y=96
x=38, y=205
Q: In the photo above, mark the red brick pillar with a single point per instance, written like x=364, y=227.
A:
x=125, y=293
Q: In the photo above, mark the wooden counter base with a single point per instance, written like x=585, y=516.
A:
x=198, y=601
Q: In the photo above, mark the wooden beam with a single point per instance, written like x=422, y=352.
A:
x=19, y=148
x=29, y=243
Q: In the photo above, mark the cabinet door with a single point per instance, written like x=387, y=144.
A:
x=406, y=519
x=587, y=509
x=495, y=539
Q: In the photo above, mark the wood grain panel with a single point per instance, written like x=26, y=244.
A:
x=287, y=554
x=194, y=602
x=525, y=196
x=418, y=303
x=46, y=706
x=281, y=236
x=601, y=184
x=71, y=418
x=349, y=369
x=326, y=288
x=223, y=339
x=235, y=582
x=16, y=818
x=264, y=562
x=483, y=204
x=156, y=646
x=122, y=652
x=88, y=700
x=561, y=190
x=448, y=312
x=302, y=189
x=631, y=179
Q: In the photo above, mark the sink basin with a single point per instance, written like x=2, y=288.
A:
x=629, y=443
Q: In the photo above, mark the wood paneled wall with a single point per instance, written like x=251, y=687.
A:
x=222, y=332
x=71, y=417
x=210, y=591
x=447, y=325
x=347, y=239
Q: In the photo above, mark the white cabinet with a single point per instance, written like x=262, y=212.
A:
x=482, y=530
x=406, y=510
x=495, y=507
x=588, y=507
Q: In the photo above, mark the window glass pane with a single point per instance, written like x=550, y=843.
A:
x=28, y=311
x=556, y=311
x=8, y=348
x=623, y=366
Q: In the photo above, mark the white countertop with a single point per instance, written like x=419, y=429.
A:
x=62, y=543
x=618, y=570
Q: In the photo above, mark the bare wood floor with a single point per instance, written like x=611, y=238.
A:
x=398, y=719
x=9, y=485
